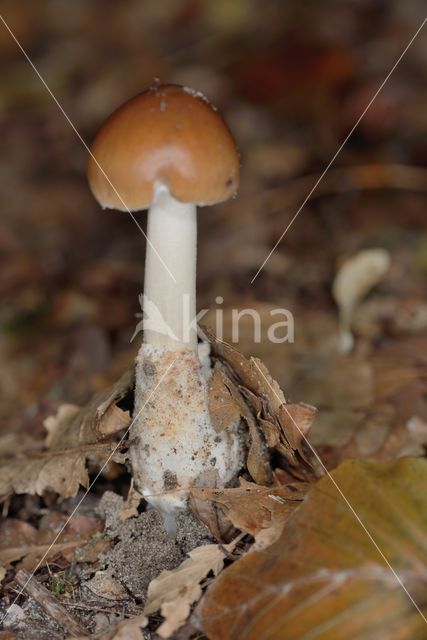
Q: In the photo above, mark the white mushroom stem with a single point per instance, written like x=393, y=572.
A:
x=174, y=444
x=170, y=273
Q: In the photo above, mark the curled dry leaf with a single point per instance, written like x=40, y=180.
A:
x=95, y=421
x=324, y=578
x=259, y=511
x=173, y=592
x=356, y=277
x=273, y=423
x=73, y=435
x=226, y=405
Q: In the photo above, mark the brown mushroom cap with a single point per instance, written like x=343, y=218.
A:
x=170, y=135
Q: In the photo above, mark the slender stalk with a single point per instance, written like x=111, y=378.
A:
x=172, y=233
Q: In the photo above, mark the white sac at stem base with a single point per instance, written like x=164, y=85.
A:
x=173, y=442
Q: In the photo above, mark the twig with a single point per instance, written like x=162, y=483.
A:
x=49, y=603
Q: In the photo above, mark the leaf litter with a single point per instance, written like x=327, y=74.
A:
x=68, y=315
x=324, y=576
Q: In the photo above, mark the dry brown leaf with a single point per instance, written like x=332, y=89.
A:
x=73, y=435
x=227, y=404
x=174, y=592
x=62, y=471
x=259, y=511
x=223, y=407
x=12, y=443
x=324, y=578
x=277, y=420
x=99, y=418
x=52, y=424
x=21, y=541
x=213, y=517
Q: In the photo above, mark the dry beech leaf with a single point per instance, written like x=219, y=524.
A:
x=62, y=471
x=74, y=434
x=223, y=407
x=208, y=512
x=226, y=405
x=277, y=424
x=99, y=418
x=354, y=280
x=173, y=592
x=259, y=511
x=324, y=578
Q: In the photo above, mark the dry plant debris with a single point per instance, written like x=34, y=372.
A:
x=69, y=284
x=324, y=576
x=23, y=545
x=48, y=602
x=74, y=435
x=258, y=511
x=174, y=592
x=246, y=385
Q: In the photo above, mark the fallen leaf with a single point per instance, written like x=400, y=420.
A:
x=324, y=578
x=208, y=512
x=391, y=419
x=259, y=511
x=62, y=471
x=52, y=424
x=226, y=405
x=173, y=592
x=129, y=629
x=74, y=434
x=101, y=417
x=282, y=426
x=21, y=541
x=224, y=410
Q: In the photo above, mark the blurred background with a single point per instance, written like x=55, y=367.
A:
x=291, y=79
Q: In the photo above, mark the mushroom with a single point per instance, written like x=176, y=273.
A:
x=168, y=150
